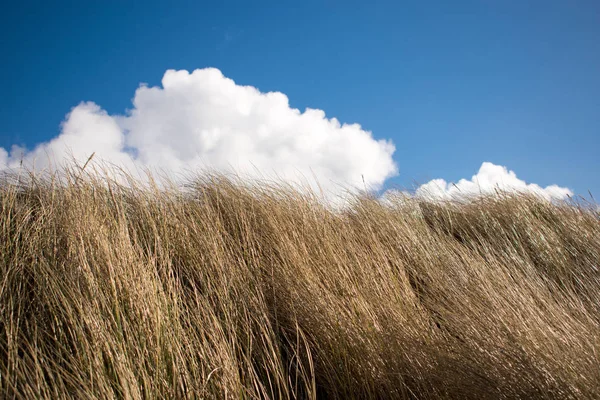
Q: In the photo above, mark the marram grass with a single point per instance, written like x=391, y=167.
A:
x=225, y=291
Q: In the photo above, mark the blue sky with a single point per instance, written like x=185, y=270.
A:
x=452, y=84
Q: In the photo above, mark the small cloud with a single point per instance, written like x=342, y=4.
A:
x=488, y=179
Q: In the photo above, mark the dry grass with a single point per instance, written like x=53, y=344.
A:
x=225, y=291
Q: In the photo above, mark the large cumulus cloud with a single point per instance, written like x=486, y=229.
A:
x=203, y=120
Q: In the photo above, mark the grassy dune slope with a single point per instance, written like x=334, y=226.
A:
x=221, y=291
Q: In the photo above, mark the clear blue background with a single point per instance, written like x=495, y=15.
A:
x=452, y=83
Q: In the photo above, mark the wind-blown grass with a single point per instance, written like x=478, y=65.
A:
x=227, y=291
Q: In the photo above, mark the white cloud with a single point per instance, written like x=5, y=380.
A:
x=204, y=120
x=3, y=157
x=490, y=178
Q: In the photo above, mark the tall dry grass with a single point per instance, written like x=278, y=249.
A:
x=225, y=291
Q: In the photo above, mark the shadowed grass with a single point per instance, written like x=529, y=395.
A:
x=220, y=290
